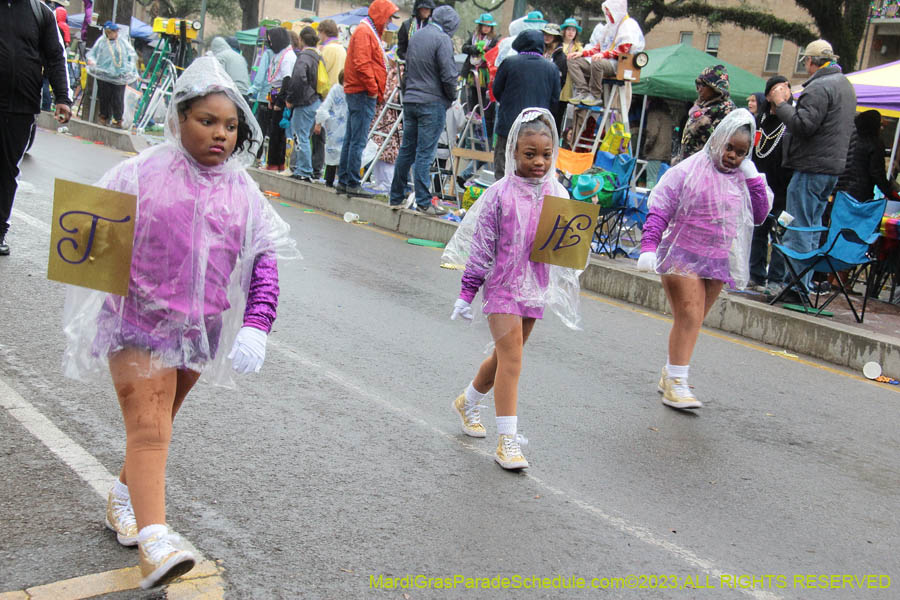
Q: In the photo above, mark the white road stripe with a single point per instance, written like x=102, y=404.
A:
x=636, y=531
x=29, y=220
x=77, y=458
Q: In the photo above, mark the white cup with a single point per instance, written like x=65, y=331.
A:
x=785, y=218
x=350, y=217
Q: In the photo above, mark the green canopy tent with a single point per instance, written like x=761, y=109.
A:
x=672, y=70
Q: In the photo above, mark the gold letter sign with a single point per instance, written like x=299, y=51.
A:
x=91, y=237
x=564, y=232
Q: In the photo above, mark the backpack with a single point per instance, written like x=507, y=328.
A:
x=39, y=15
x=323, y=82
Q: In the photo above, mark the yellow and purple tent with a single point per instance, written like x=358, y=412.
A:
x=879, y=88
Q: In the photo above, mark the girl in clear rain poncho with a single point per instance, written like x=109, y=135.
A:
x=113, y=61
x=494, y=243
x=204, y=279
x=697, y=236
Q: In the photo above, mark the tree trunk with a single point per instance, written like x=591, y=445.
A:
x=124, y=11
x=249, y=20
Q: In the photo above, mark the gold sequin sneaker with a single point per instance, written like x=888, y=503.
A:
x=509, y=452
x=120, y=518
x=677, y=393
x=162, y=561
x=469, y=418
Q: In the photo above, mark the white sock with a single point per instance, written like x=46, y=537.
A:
x=677, y=371
x=150, y=530
x=121, y=490
x=507, y=425
x=473, y=396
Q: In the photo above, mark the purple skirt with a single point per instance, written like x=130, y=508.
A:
x=677, y=261
x=180, y=345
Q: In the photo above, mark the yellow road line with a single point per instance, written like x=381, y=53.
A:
x=204, y=582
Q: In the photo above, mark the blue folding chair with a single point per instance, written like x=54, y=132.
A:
x=854, y=226
x=608, y=232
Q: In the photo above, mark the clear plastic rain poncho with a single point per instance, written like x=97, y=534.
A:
x=504, y=48
x=622, y=30
x=113, y=61
x=205, y=241
x=708, y=210
x=495, y=238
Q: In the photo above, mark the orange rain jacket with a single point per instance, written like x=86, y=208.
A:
x=365, y=69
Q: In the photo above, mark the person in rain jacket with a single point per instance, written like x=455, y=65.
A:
x=280, y=66
x=430, y=89
x=480, y=41
x=619, y=35
x=113, y=62
x=494, y=242
x=332, y=117
x=421, y=15
x=203, y=279
x=365, y=76
x=233, y=63
x=865, y=161
x=524, y=80
x=697, y=237
x=712, y=105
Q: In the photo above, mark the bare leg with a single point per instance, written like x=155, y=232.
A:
x=185, y=381
x=503, y=367
x=690, y=298
x=147, y=403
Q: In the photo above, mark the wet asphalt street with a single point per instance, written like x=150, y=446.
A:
x=341, y=461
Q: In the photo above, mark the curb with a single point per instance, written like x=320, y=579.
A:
x=837, y=343
x=108, y=136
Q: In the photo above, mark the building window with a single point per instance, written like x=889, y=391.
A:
x=687, y=37
x=712, y=43
x=773, y=56
x=307, y=5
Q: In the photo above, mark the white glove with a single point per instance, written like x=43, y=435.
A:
x=463, y=309
x=647, y=262
x=249, y=350
x=748, y=168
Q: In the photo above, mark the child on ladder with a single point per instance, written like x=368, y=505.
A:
x=697, y=237
x=494, y=243
x=203, y=280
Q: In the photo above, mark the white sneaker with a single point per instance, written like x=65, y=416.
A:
x=162, y=561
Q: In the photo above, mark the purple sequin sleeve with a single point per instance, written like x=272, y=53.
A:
x=758, y=199
x=262, y=298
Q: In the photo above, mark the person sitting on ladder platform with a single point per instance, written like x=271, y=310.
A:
x=587, y=69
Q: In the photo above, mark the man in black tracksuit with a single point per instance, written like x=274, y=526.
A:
x=30, y=48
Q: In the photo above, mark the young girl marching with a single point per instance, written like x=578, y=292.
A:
x=204, y=279
x=494, y=243
x=697, y=236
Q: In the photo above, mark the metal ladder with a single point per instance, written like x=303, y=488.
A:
x=610, y=115
x=394, y=102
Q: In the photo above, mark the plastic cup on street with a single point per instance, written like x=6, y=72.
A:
x=350, y=217
x=785, y=218
x=872, y=370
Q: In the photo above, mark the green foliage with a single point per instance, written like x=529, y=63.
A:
x=227, y=11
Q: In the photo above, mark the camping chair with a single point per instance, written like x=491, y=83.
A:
x=854, y=226
x=611, y=220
